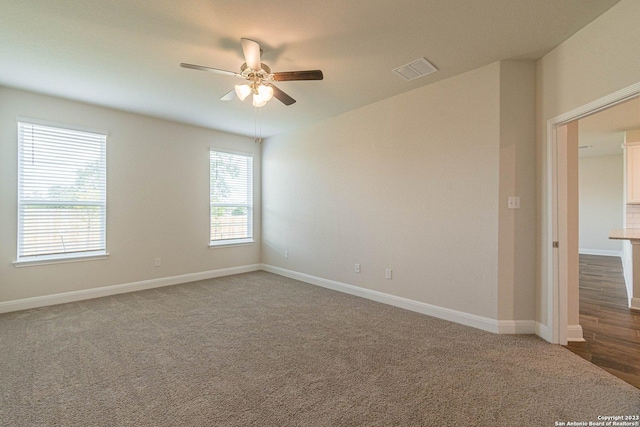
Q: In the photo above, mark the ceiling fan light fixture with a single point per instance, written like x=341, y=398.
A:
x=265, y=92
x=243, y=91
x=258, y=100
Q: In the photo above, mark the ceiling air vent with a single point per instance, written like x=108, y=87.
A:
x=418, y=68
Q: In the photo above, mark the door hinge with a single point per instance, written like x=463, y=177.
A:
x=556, y=244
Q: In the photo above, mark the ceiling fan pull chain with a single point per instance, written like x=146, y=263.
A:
x=257, y=125
x=260, y=125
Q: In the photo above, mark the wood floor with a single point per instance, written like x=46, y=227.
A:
x=611, y=329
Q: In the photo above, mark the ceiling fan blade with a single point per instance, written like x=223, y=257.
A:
x=251, y=51
x=229, y=95
x=298, y=75
x=213, y=70
x=282, y=97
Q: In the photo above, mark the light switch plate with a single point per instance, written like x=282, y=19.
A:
x=513, y=202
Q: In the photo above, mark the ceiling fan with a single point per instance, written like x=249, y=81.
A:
x=259, y=77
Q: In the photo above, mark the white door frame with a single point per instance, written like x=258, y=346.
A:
x=557, y=289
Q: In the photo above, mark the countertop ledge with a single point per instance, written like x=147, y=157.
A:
x=625, y=234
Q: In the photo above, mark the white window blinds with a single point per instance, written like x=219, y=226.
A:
x=231, y=195
x=61, y=192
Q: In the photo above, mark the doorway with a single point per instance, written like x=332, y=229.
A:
x=560, y=241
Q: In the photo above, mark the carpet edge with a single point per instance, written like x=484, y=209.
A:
x=66, y=297
x=479, y=322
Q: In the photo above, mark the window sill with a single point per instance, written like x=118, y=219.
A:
x=227, y=243
x=46, y=260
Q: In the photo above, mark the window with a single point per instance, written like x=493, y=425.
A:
x=231, y=195
x=61, y=193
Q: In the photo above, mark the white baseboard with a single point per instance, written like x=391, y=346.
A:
x=43, y=301
x=479, y=322
x=544, y=332
x=475, y=321
x=574, y=333
x=527, y=327
x=635, y=304
x=601, y=252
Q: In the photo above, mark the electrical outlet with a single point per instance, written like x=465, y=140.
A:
x=357, y=268
x=387, y=274
x=158, y=262
x=286, y=254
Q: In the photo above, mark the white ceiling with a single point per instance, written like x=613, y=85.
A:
x=602, y=134
x=125, y=54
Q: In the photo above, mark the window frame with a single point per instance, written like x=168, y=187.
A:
x=250, y=206
x=76, y=255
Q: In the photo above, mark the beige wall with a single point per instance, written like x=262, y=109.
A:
x=601, y=202
x=597, y=61
x=517, y=254
x=157, y=199
x=412, y=183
